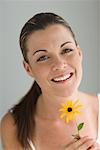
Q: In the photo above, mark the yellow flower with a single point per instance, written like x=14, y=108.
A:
x=70, y=109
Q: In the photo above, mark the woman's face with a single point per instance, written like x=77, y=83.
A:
x=54, y=60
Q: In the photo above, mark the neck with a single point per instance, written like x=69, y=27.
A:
x=48, y=105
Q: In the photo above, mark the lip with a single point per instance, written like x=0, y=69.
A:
x=62, y=78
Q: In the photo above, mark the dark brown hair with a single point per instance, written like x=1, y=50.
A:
x=24, y=111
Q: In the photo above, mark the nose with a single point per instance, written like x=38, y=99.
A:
x=59, y=64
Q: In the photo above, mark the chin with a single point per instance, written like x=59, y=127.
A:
x=66, y=93
x=68, y=90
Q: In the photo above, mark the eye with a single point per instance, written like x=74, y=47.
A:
x=42, y=58
x=67, y=50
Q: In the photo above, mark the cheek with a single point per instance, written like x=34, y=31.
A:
x=40, y=72
x=78, y=66
x=76, y=60
x=76, y=63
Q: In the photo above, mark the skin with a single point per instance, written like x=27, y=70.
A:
x=54, y=55
x=57, y=62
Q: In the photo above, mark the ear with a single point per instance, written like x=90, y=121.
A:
x=28, y=68
x=80, y=52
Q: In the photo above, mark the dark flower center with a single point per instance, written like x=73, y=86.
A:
x=69, y=109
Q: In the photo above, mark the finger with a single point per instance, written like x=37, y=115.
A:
x=76, y=143
x=70, y=145
x=84, y=143
x=81, y=141
x=92, y=148
x=87, y=144
x=96, y=146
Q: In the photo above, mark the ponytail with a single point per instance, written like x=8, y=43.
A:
x=23, y=114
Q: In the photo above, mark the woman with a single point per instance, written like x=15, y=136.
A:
x=53, y=58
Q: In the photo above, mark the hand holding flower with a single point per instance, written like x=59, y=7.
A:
x=84, y=143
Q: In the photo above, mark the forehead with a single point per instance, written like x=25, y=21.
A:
x=50, y=36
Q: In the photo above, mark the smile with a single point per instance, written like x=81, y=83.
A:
x=62, y=78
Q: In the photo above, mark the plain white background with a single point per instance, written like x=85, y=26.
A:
x=82, y=15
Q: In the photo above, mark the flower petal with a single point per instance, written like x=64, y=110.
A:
x=62, y=109
x=62, y=115
x=78, y=106
x=67, y=119
x=70, y=105
x=77, y=112
x=76, y=102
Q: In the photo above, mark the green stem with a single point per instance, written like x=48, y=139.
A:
x=77, y=126
x=78, y=135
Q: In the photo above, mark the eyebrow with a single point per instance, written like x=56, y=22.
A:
x=40, y=50
x=44, y=50
x=65, y=43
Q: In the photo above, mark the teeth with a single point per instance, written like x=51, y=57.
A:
x=62, y=78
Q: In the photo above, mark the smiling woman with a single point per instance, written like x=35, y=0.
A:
x=54, y=58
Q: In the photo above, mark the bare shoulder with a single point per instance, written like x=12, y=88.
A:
x=7, y=119
x=9, y=133
x=92, y=97
x=89, y=96
x=91, y=100
x=7, y=124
